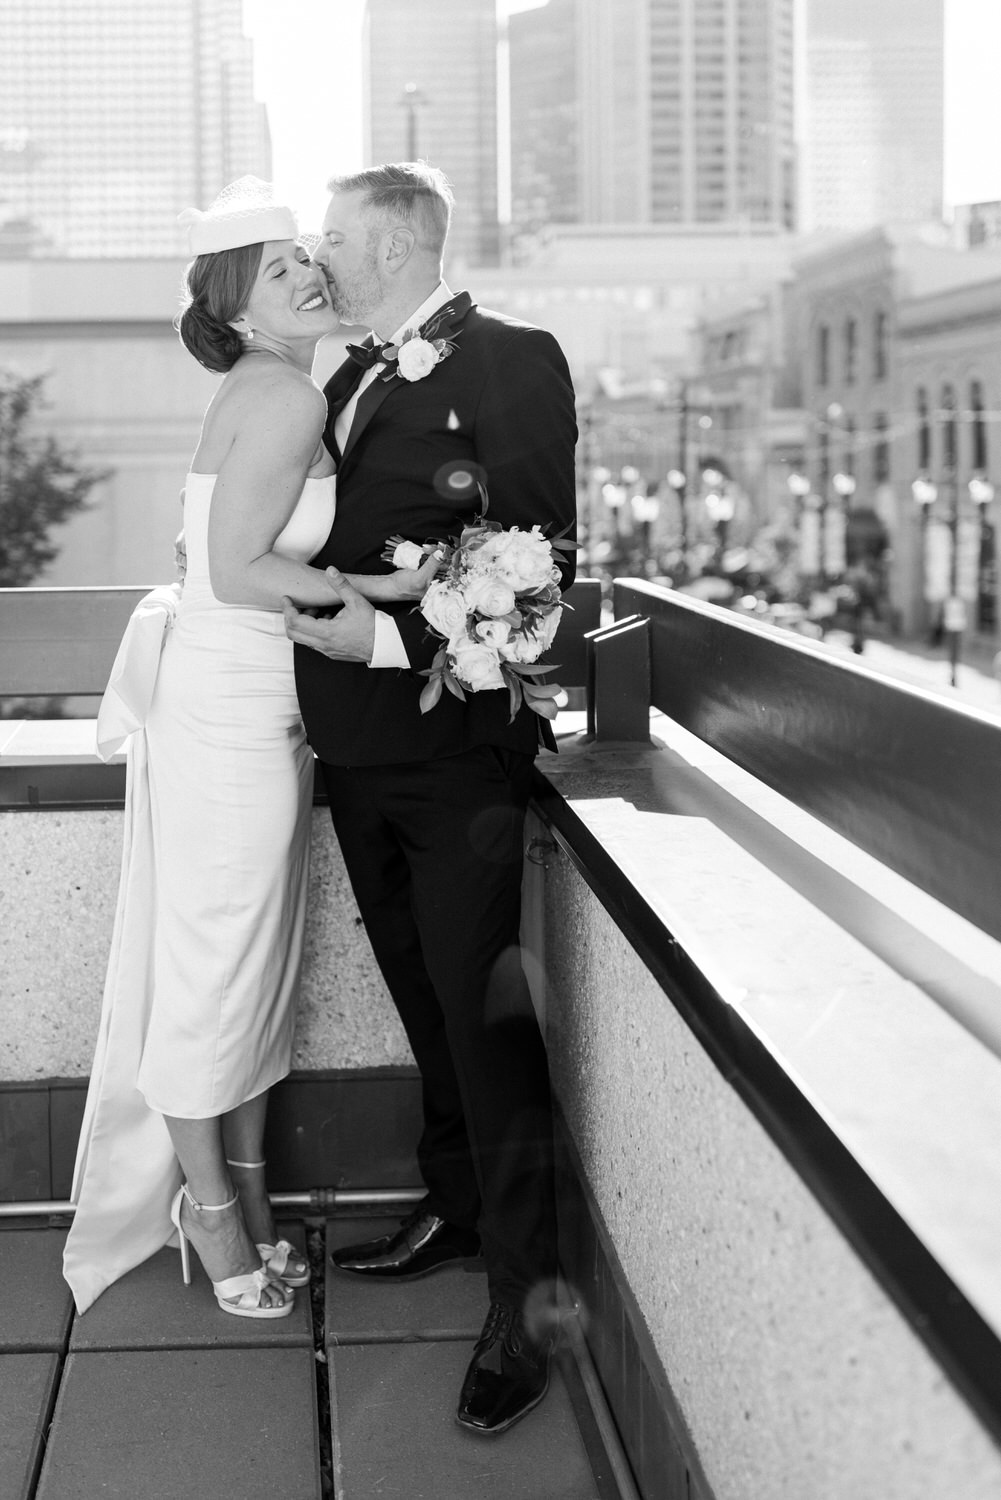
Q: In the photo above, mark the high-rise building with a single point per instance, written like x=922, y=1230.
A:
x=116, y=114
x=682, y=111
x=544, y=131
x=430, y=92
x=873, y=113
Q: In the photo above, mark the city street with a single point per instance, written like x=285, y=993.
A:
x=928, y=667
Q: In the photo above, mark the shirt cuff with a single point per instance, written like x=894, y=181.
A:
x=388, y=650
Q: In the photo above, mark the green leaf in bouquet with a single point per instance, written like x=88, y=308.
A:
x=430, y=694
x=514, y=691
x=534, y=669
x=453, y=686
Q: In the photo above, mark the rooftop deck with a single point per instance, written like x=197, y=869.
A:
x=761, y=923
x=154, y=1394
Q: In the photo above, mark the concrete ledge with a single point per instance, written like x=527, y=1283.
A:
x=60, y=877
x=795, y=1370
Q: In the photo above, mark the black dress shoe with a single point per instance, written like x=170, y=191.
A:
x=508, y=1374
x=423, y=1243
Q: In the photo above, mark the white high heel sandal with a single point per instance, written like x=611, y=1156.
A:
x=240, y=1295
x=276, y=1257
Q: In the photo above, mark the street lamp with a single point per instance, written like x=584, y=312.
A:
x=646, y=509
x=805, y=522
x=799, y=486
x=677, y=480
x=942, y=563
x=835, y=556
x=615, y=496
x=597, y=479
x=411, y=101
x=721, y=509
x=924, y=493
x=982, y=493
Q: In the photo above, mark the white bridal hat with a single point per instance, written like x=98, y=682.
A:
x=245, y=213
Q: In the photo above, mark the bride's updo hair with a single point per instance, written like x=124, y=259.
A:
x=218, y=288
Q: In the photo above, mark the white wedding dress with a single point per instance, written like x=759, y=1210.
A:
x=199, y=1001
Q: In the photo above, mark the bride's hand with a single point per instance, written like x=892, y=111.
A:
x=403, y=585
x=412, y=583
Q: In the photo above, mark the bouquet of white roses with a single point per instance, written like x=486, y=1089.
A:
x=496, y=605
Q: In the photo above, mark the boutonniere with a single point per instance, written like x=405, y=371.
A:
x=420, y=349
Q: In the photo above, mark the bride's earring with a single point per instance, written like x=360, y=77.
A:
x=249, y=333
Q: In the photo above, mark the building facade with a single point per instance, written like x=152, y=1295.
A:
x=858, y=406
x=683, y=111
x=430, y=92
x=115, y=115
x=948, y=452
x=873, y=120
x=749, y=399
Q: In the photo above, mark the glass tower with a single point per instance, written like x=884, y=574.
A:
x=658, y=111
x=874, y=113
x=115, y=115
x=430, y=92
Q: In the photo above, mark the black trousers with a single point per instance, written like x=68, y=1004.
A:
x=434, y=854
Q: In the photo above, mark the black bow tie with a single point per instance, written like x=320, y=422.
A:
x=368, y=355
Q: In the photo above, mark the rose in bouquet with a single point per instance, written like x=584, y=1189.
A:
x=495, y=604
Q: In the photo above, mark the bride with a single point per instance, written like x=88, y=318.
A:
x=199, y=1003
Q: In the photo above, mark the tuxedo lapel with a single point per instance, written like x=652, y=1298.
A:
x=446, y=323
x=338, y=391
x=368, y=402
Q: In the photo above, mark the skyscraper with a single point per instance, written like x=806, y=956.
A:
x=682, y=110
x=543, y=89
x=430, y=91
x=114, y=115
x=873, y=113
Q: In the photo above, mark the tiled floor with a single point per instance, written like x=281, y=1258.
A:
x=154, y=1394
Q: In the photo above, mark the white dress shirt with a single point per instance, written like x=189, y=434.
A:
x=388, y=649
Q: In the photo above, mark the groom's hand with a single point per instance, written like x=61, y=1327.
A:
x=347, y=636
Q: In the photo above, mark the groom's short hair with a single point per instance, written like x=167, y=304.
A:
x=408, y=192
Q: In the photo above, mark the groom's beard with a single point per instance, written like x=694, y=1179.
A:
x=357, y=297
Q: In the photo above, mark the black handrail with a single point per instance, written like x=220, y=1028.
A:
x=913, y=780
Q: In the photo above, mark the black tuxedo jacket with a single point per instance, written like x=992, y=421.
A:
x=503, y=399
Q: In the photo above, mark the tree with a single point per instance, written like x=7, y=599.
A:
x=41, y=485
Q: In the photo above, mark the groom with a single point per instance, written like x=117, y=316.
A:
x=429, y=809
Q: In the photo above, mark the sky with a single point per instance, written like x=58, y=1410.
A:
x=308, y=72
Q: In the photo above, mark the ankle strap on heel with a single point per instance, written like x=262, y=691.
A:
x=257, y=1164
x=211, y=1208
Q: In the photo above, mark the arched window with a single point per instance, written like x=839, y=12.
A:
x=924, y=431
x=851, y=350
x=880, y=346
x=823, y=354
x=979, y=430
x=949, y=434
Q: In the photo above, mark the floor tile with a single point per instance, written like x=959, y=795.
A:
x=450, y=1304
x=395, y=1434
x=36, y=1300
x=27, y=1387
x=149, y=1425
x=151, y=1308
